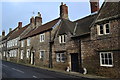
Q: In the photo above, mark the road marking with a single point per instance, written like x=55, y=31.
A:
x=34, y=76
x=18, y=70
x=4, y=65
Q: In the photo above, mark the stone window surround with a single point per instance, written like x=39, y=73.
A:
x=104, y=29
x=28, y=41
x=28, y=53
x=21, y=55
x=41, y=54
x=108, y=58
x=42, y=37
x=62, y=38
x=13, y=53
x=13, y=42
x=22, y=43
x=60, y=57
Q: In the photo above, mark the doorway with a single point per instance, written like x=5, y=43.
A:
x=74, y=62
x=32, y=58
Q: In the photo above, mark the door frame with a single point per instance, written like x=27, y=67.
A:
x=76, y=63
x=32, y=61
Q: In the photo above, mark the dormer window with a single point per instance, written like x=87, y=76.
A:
x=107, y=29
x=62, y=38
x=103, y=29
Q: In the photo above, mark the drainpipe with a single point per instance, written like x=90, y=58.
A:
x=80, y=57
x=50, y=52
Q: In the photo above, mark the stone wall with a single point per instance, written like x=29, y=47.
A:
x=92, y=48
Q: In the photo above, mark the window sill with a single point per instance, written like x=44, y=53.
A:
x=103, y=34
x=106, y=65
x=62, y=43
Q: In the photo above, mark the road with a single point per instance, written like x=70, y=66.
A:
x=13, y=70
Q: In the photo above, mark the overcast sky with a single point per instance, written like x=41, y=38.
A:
x=14, y=12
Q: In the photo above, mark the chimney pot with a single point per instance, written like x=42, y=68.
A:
x=61, y=3
x=19, y=24
x=10, y=29
x=3, y=33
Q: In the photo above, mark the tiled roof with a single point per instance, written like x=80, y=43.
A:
x=41, y=28
x=17, y=33
x=66, y=26
x=108, y=10
x=83, y=25
x=9, y=34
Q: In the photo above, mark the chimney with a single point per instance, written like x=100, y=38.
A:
x=10, y=29
x=38, y=20
x=32, y=20
x=63, y=11
x=3, y=33
x=94, y=5
x=19, y=25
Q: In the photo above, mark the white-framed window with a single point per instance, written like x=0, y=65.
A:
x=42, y=53
x=103, y=29
x=107, y=28
x=16, y=40
x=22, y=43
x=60, y=57
x=4, y=53
x=15, y=53
x=22, y=53
x=10, y=43
x=106, y=59
x=28, y=53
x=42, y=37
x=62, y=38
x=28, y=42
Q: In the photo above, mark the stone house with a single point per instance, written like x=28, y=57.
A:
x=49, y=35
x=100, y=53
x=3, y=45
x=13, y=43
x=38, y=40
x=87, y=45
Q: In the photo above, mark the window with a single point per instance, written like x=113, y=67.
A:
x=107, y=29
x=60, y=57
x=62, y=38
x=103, y=29
x=21, y=57
x=16, y=42
x=22, y=43
x=42, y=52
x=28, y=42
x=106, y=59
x=42, y=37
x=28, y=53
x=15, y=53
x=4, y=53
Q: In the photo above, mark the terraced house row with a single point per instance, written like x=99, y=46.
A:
x=88, y=45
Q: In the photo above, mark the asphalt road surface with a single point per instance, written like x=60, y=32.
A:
x=12, y=70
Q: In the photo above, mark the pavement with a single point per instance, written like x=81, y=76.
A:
x=13, y=71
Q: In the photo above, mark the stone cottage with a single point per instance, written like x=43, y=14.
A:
x=100, y=53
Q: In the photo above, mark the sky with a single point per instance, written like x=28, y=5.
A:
x=13, y=12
